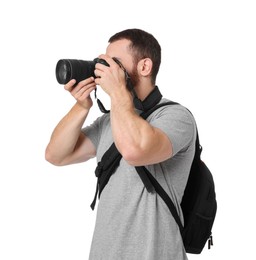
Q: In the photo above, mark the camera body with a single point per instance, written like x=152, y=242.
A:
x=67, y=69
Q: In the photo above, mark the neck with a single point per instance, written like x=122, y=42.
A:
x=143, y=91
x=151, y=98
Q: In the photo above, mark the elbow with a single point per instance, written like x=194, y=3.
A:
x=133, y=156
x=49, y=157
x=147, y=155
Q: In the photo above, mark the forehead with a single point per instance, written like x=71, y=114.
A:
x=118, y=48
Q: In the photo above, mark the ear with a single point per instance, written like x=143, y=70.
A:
x=144, y=67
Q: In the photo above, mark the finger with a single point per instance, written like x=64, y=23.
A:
x=76, y=92
x=86, y=81
x=87, y=92
x=84, y=93
x=69, y=86
x=98, y=81
x=98, y=72
x=82, y=84
x=111, y=62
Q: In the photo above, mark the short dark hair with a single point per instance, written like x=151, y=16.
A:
x=143, y=45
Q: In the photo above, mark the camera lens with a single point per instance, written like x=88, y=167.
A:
x=63, y=71
x=67, y=69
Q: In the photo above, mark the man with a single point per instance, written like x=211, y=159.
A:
x=131, y=223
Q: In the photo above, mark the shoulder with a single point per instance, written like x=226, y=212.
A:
x=177, y=122
x=173, y=112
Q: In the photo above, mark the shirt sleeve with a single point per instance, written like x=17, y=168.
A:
x=177, y=123
x=93, y=131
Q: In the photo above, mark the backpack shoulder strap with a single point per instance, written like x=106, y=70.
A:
x=162, y=193
x=150, y=111
x=140, y=170
x=143, y=171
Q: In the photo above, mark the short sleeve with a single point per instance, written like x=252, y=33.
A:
x=93, y=132
x=177, y=123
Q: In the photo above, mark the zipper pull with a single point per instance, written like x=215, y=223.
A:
x=210, y=242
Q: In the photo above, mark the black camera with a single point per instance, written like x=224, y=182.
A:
x=67, y=69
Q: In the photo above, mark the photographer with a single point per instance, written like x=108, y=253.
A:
x=131, y=223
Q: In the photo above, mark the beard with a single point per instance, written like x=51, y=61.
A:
x=135, y=80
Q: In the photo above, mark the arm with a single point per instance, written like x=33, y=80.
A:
x=138, y=141
x=67, y=143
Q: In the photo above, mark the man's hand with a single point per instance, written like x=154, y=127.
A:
x=81, y=91
x=111, y=78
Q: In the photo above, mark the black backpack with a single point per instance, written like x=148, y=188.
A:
x=198, y=204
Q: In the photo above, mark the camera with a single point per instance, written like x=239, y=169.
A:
x=67, y=69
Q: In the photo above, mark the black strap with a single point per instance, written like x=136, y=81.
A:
x=145, y=174
x=140, y=170
x=162, y=193
x=151, y=110
x=105, y=168
x=158, y=188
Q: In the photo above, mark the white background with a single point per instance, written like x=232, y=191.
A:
x=208, y=65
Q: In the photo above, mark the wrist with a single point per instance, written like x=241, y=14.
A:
x=122, y=98
x=81, y=109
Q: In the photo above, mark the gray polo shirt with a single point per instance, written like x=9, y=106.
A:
x=131, y=223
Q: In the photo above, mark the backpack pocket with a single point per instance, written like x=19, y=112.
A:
x=196, y=233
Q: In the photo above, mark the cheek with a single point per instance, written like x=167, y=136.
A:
x=131, y=68
x=129, y=64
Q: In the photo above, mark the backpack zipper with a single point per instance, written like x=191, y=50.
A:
x=210, y=242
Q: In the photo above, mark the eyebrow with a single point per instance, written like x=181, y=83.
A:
x=119, y=59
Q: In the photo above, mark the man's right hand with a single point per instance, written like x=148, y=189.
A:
x=81, y=92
